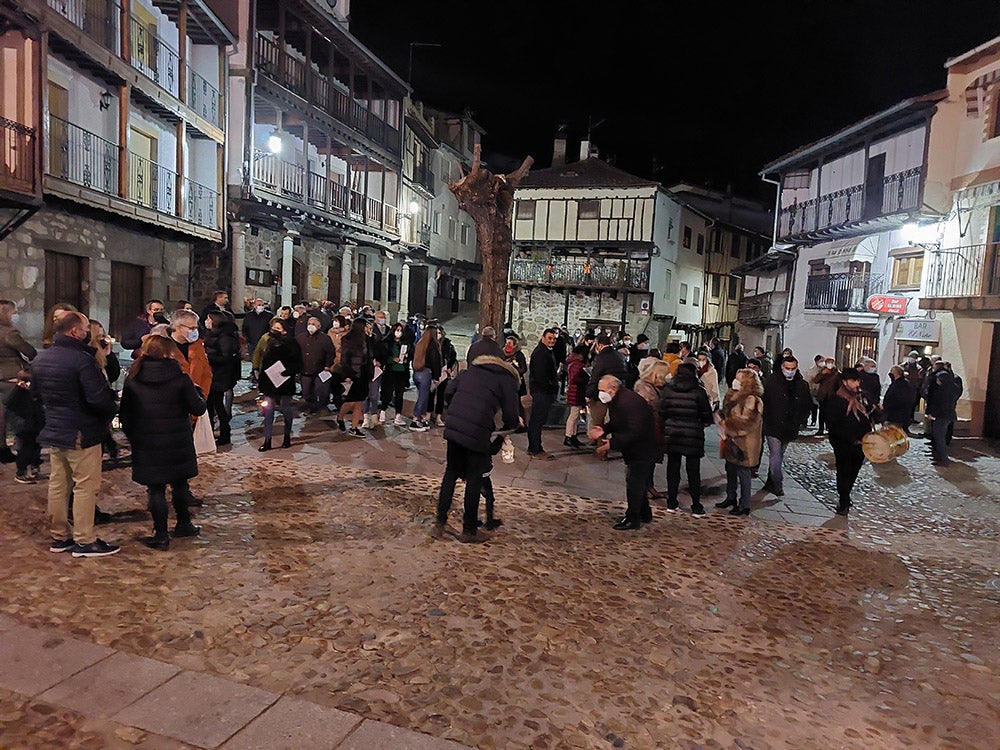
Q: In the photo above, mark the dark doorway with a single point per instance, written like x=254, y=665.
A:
x=298, y=282
x=855, y=343
x=64, y=279
x=418, y=290
x=454, y=295
x=991, y=410
x=874, y=186
x=127, y=295
x=333, y=271
x=362, y=280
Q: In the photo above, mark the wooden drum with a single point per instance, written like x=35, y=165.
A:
x=885, y=444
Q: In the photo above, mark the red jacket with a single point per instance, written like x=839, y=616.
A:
x=576, y=382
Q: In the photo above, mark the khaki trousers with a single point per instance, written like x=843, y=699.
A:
x=597, y=413
x=77, y=470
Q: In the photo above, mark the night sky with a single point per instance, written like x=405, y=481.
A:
x=706, y=92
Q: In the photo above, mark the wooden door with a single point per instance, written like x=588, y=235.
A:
x=362, y=280
x=454, y=295
x=142, y=172
x=991, y=416
x=64, y=279
x=127, y=295
x=333, y=270
x=874, y=186
x=418, y=290
x=58, y=131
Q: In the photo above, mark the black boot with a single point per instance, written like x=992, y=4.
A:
x=726, y=504
x=287, y=442
x=266, y=445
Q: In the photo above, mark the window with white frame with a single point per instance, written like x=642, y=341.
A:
x=696, y=296
x=907, y=270
x=452, y=228
x=436, y=222
x=590, y=209
x=525, y=209
x=465, y=234
x=716, y=285
x=683, y=296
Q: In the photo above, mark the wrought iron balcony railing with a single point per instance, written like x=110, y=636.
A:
x=154, y=58
x=842, y=292
x=84, y=158
x=100, y=19
x=323, y=92
x=203, y=97
x=17, y=157
x=293, y=181
x=627, y=275
x=900, y=192
x=967, y=271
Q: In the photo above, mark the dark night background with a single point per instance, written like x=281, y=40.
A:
x=706, y=93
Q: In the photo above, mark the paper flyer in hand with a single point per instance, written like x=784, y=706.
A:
x=274, y=373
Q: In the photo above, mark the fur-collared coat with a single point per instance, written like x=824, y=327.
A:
x=742, y=420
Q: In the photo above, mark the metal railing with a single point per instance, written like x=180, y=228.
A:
x=100, y=19
x=201, y=204
x=203, y=97
x=82, y=157
x=154, y=58
x=322, y=91
x=623, y=274
x=959, y=271
x=17, y=156
x=294, y=181
x=843, y=292
x=151, y=185
x=900, y=192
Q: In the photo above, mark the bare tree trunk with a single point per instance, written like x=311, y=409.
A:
x=489, y=199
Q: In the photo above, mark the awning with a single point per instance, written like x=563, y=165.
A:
x=856, y=248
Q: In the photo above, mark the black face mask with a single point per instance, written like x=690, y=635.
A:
x=160, y=318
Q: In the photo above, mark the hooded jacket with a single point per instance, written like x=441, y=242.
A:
x=685, y=413
x=156, y=410
x=222, y=347
x=607, y=362
x=488, y=385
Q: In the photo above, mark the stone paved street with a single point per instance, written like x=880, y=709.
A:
x=316, y=611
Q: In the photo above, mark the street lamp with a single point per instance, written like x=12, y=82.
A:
x=413, y=208
x=274, y=142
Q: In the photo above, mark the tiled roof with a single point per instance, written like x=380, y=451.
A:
x=588, y=173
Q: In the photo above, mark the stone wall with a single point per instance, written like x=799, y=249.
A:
x=263, y=250
x=95, y=235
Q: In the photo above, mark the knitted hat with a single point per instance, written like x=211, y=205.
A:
x=641, y=338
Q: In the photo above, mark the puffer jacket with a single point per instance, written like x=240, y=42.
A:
x=78, y=401
x=157, y=406
x=475, y=396
x=576, y=381
x=685, y=412
x=222, y=347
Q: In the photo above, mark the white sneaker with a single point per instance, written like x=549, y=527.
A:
x=399, y=421
x=440, y=421
x=367, y=422
x=381, y=416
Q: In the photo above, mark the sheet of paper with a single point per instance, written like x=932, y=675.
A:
x=378, y=372
x=324, y=375
x=402, y=352
x=274, y=373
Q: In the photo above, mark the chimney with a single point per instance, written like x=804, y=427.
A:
x=559, y=148
x=584, y=150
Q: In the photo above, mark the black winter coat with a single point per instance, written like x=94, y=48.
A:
x=488, y=385
x=787, y=404
x=157, y=406
x=255, y=325
x=318, y=351
x=943, y=396
x=607, y=362
x=685, y=412
x=484, y=347
x=222, y=347
x=736, y=362
x=280, y=349
x=78, y=401
x=871, y=386
x=844, y=427
x=542, y=371
x=897, y=406
x=630, y=424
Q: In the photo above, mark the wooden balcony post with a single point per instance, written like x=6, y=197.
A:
x=179, y=178
x=124, y=92
x=126, y=30
x=182, y=71
x=281, y=45
x=328, y=203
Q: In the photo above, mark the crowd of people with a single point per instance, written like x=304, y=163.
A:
x=627, y=397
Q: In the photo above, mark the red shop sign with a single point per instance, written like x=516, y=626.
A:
x=888, y=305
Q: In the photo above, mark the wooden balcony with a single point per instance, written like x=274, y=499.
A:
x=962, y=278
x=612, y=275
x=768, y=309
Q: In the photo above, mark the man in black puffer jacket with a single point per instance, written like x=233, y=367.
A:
x=488, y=385
x=78, y=403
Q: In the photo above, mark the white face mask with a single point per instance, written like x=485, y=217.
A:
x=336, y=324
x=192, y=335
x=14, y=318
x=605, y=397
x=258, y=309
x=295, y=314
x=789, y=374
x=871, y=370
x=398, y=334
x=312, y=329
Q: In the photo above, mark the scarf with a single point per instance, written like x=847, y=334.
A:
x=855, y=403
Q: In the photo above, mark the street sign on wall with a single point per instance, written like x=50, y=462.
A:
x=885, y=305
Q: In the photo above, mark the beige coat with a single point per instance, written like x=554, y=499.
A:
x=742, y=421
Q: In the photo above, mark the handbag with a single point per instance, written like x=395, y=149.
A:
x=731, y=451
x=204, y=440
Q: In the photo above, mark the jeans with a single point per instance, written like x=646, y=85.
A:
x=738, y=477
x=939, y=438
x=776, y=455
x=76, y=470
x=284, y=405
x=850, y=458
x=541, y=403
x=693, y=466
x=422, y=379
x=180, y=494
x=470, y=465
x=638, y=482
